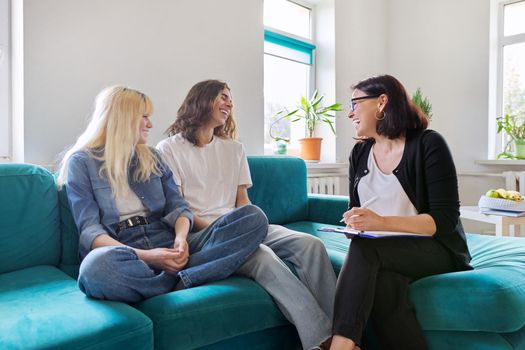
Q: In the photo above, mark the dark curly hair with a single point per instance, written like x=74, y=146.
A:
x=401, y=114
x=196, y=110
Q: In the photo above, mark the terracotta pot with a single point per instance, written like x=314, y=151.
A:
x=310, y=148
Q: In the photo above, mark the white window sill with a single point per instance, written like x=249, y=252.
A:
x=500, y=162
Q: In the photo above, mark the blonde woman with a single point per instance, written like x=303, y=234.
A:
x=133, y=223
x=211, y=168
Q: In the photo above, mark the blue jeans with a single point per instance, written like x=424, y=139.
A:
x=116, y=273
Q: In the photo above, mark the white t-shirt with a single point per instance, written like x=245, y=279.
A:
x=129, y=204
x=386, y=195
x=208, y=176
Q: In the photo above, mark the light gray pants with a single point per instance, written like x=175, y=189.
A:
x=307, y=301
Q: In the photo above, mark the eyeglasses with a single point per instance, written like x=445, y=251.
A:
x=353, y=104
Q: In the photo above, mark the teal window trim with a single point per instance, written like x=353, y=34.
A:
x=291, y=43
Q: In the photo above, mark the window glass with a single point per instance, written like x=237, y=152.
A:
x=514, y=79
x=514, y=18
x=285, y=82
x=288, y=17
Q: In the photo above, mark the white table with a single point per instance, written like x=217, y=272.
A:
x=502, y=223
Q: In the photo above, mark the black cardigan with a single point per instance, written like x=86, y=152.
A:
x=428, y=175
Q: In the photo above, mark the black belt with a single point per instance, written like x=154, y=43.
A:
x=132, y=222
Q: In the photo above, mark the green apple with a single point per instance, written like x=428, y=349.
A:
x=492, y=193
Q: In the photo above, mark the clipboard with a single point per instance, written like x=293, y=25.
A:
x=350, y=233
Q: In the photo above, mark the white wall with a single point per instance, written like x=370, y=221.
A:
x=360, y=29
x=74, y=48
x=442, y=47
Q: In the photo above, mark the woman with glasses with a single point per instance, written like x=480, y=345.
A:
x=133, y=222
x=403, y=179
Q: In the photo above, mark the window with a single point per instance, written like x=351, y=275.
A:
x=508, y=75
x=288, y=67
x=5, y=126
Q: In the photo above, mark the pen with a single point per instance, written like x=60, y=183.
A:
x=364, y=205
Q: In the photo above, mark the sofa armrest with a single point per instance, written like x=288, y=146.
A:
x=326, y=209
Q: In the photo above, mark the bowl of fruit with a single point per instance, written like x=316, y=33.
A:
x=501, y=199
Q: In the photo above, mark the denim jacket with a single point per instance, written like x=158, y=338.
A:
x=94, y=207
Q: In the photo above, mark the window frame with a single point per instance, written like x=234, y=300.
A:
x=6, y=140
x=498, y=41
x=293, y=41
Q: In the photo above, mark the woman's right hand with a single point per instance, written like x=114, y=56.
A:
x=161, y=258
x=363, y=219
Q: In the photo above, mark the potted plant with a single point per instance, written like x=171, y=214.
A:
x=514, y=127
x=312, y=112
x=423, y=103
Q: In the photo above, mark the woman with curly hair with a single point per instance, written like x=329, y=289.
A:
x=210, y=167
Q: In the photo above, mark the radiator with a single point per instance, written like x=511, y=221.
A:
x=323, y=184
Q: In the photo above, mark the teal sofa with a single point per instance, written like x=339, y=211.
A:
x=42, y=308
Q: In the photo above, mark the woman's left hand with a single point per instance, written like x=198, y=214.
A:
x=181, y=247
x=363, y=219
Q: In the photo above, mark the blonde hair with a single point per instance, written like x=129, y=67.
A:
x=112, y=137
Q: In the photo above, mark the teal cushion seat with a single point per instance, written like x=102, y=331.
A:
x=285, y=336
x=205, y=315
x=475, y=340
x=496, y=287
x=42, y=308
x=29, y=214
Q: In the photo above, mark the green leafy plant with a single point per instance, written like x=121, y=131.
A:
x=422, y=102
x=311, y=111
x=514, y=127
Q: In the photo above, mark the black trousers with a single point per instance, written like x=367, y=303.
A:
x=374, y=283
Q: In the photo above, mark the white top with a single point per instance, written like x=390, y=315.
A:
x=129, y=204
x=384, y=193
x=208, y=176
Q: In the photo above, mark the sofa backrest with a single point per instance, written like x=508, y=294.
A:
x=279, y=187
x=69, y=259
x=29, y=217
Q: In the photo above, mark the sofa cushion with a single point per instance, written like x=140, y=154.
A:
x=29, y=217
x=204, y=315
x=485, y=299
x=42, y=308
x=491, y=293
x=476, y=340
x=282, y=337
x=279, y=187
